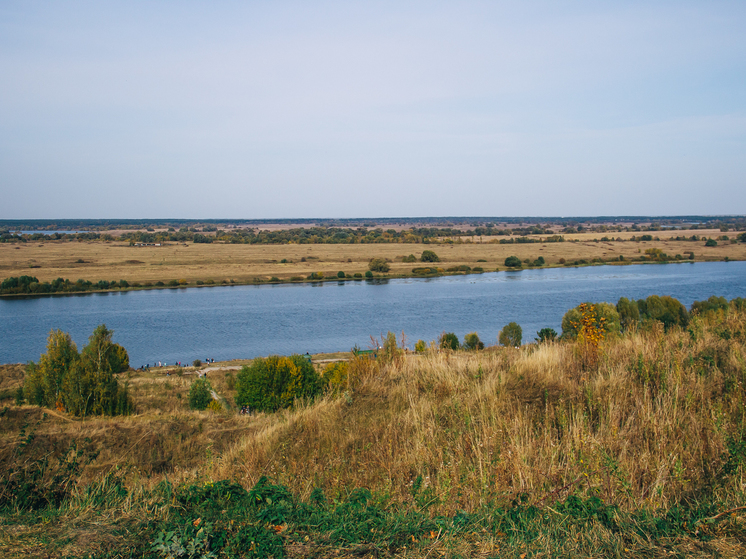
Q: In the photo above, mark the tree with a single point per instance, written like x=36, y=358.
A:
x=275, y=382
x=429, y=256
x=546, y=335
x=340, y=275
x=629, y=314
x=420, y=346
x=378, y=265
x=711, y=243
x=511, y=335
x=200, y=394
x=667, y=310
x=513, y=262
x=572, y=320
x=449, y=340
x=80, y=384
x=472, y=341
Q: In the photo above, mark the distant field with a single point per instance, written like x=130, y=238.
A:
x=98, y=260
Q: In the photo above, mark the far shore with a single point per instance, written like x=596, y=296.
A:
x=185, y=265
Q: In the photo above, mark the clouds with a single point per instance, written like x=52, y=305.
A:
x=338, y=109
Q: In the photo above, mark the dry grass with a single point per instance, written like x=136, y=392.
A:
x=646, y=430
x=110, y=261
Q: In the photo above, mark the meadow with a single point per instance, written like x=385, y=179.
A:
x=190, y=263
x=632, y=447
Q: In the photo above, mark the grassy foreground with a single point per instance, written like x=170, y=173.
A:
x=532, y=452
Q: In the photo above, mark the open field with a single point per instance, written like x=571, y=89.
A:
x=536, y=452
x=98, y=260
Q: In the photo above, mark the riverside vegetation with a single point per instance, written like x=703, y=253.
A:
x=624, y=440
x=37, y=264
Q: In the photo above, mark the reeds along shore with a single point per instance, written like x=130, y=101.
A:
x=650, y=431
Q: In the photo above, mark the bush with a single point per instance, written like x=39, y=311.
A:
x=200, y=394
x=341, y=275
x=429, y=256
x=335, y=375
x=410, y=258
x=546, y=335
x=378, y=265
x=472, y=341
x=420, y=346
x=572, y=319
x=511, y=335
x=275, y=382
x=197, y=363
x=449, y=340
x=711, y=243
x=629, y=314
x=316, y=276
x=513, y=262
x=368, y=274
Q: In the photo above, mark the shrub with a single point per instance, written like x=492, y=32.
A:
x=546, y=335
x=666, y=310
x=368, y=274
x=572, y=320
x=429, y=256
x=472, y=341
x=629, y=313
x=200, y=394
x=197, y=363
x=713, y=304
x=378, y=265
x=513, y=262
x=335, y=375
x=341, y=275
x=511, y=335
x=711, y=243
x=359, y=275
x=316, y=276
x=275, y=382
x=410, y=258
x=449, y=340
x=420, y=346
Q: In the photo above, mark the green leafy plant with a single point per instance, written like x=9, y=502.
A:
x=511, y=335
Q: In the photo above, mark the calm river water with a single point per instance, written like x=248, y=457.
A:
x=246, y=321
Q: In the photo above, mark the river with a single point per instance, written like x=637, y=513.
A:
x=229, y=322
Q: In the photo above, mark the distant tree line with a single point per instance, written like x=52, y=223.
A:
x=30, y=285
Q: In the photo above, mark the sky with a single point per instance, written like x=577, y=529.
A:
x=262, y=110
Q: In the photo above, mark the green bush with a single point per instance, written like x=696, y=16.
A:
x=511, y=335
x=368, y=274
x=420, y=346
x=276, y=382
x=472, y=341
x=629, y=314
x=546, y=335
x=449, y=340
x=378, y=265
x=197, y=363
x=410, y=258
x=341, y=275
x=200, y=394
x=513, y=262
x=429, y=256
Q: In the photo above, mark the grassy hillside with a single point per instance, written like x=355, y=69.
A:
x=543, y=451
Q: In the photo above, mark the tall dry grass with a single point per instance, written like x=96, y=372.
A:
x=646, y=428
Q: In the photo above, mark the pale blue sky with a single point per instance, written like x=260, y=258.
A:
x=364, y=109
